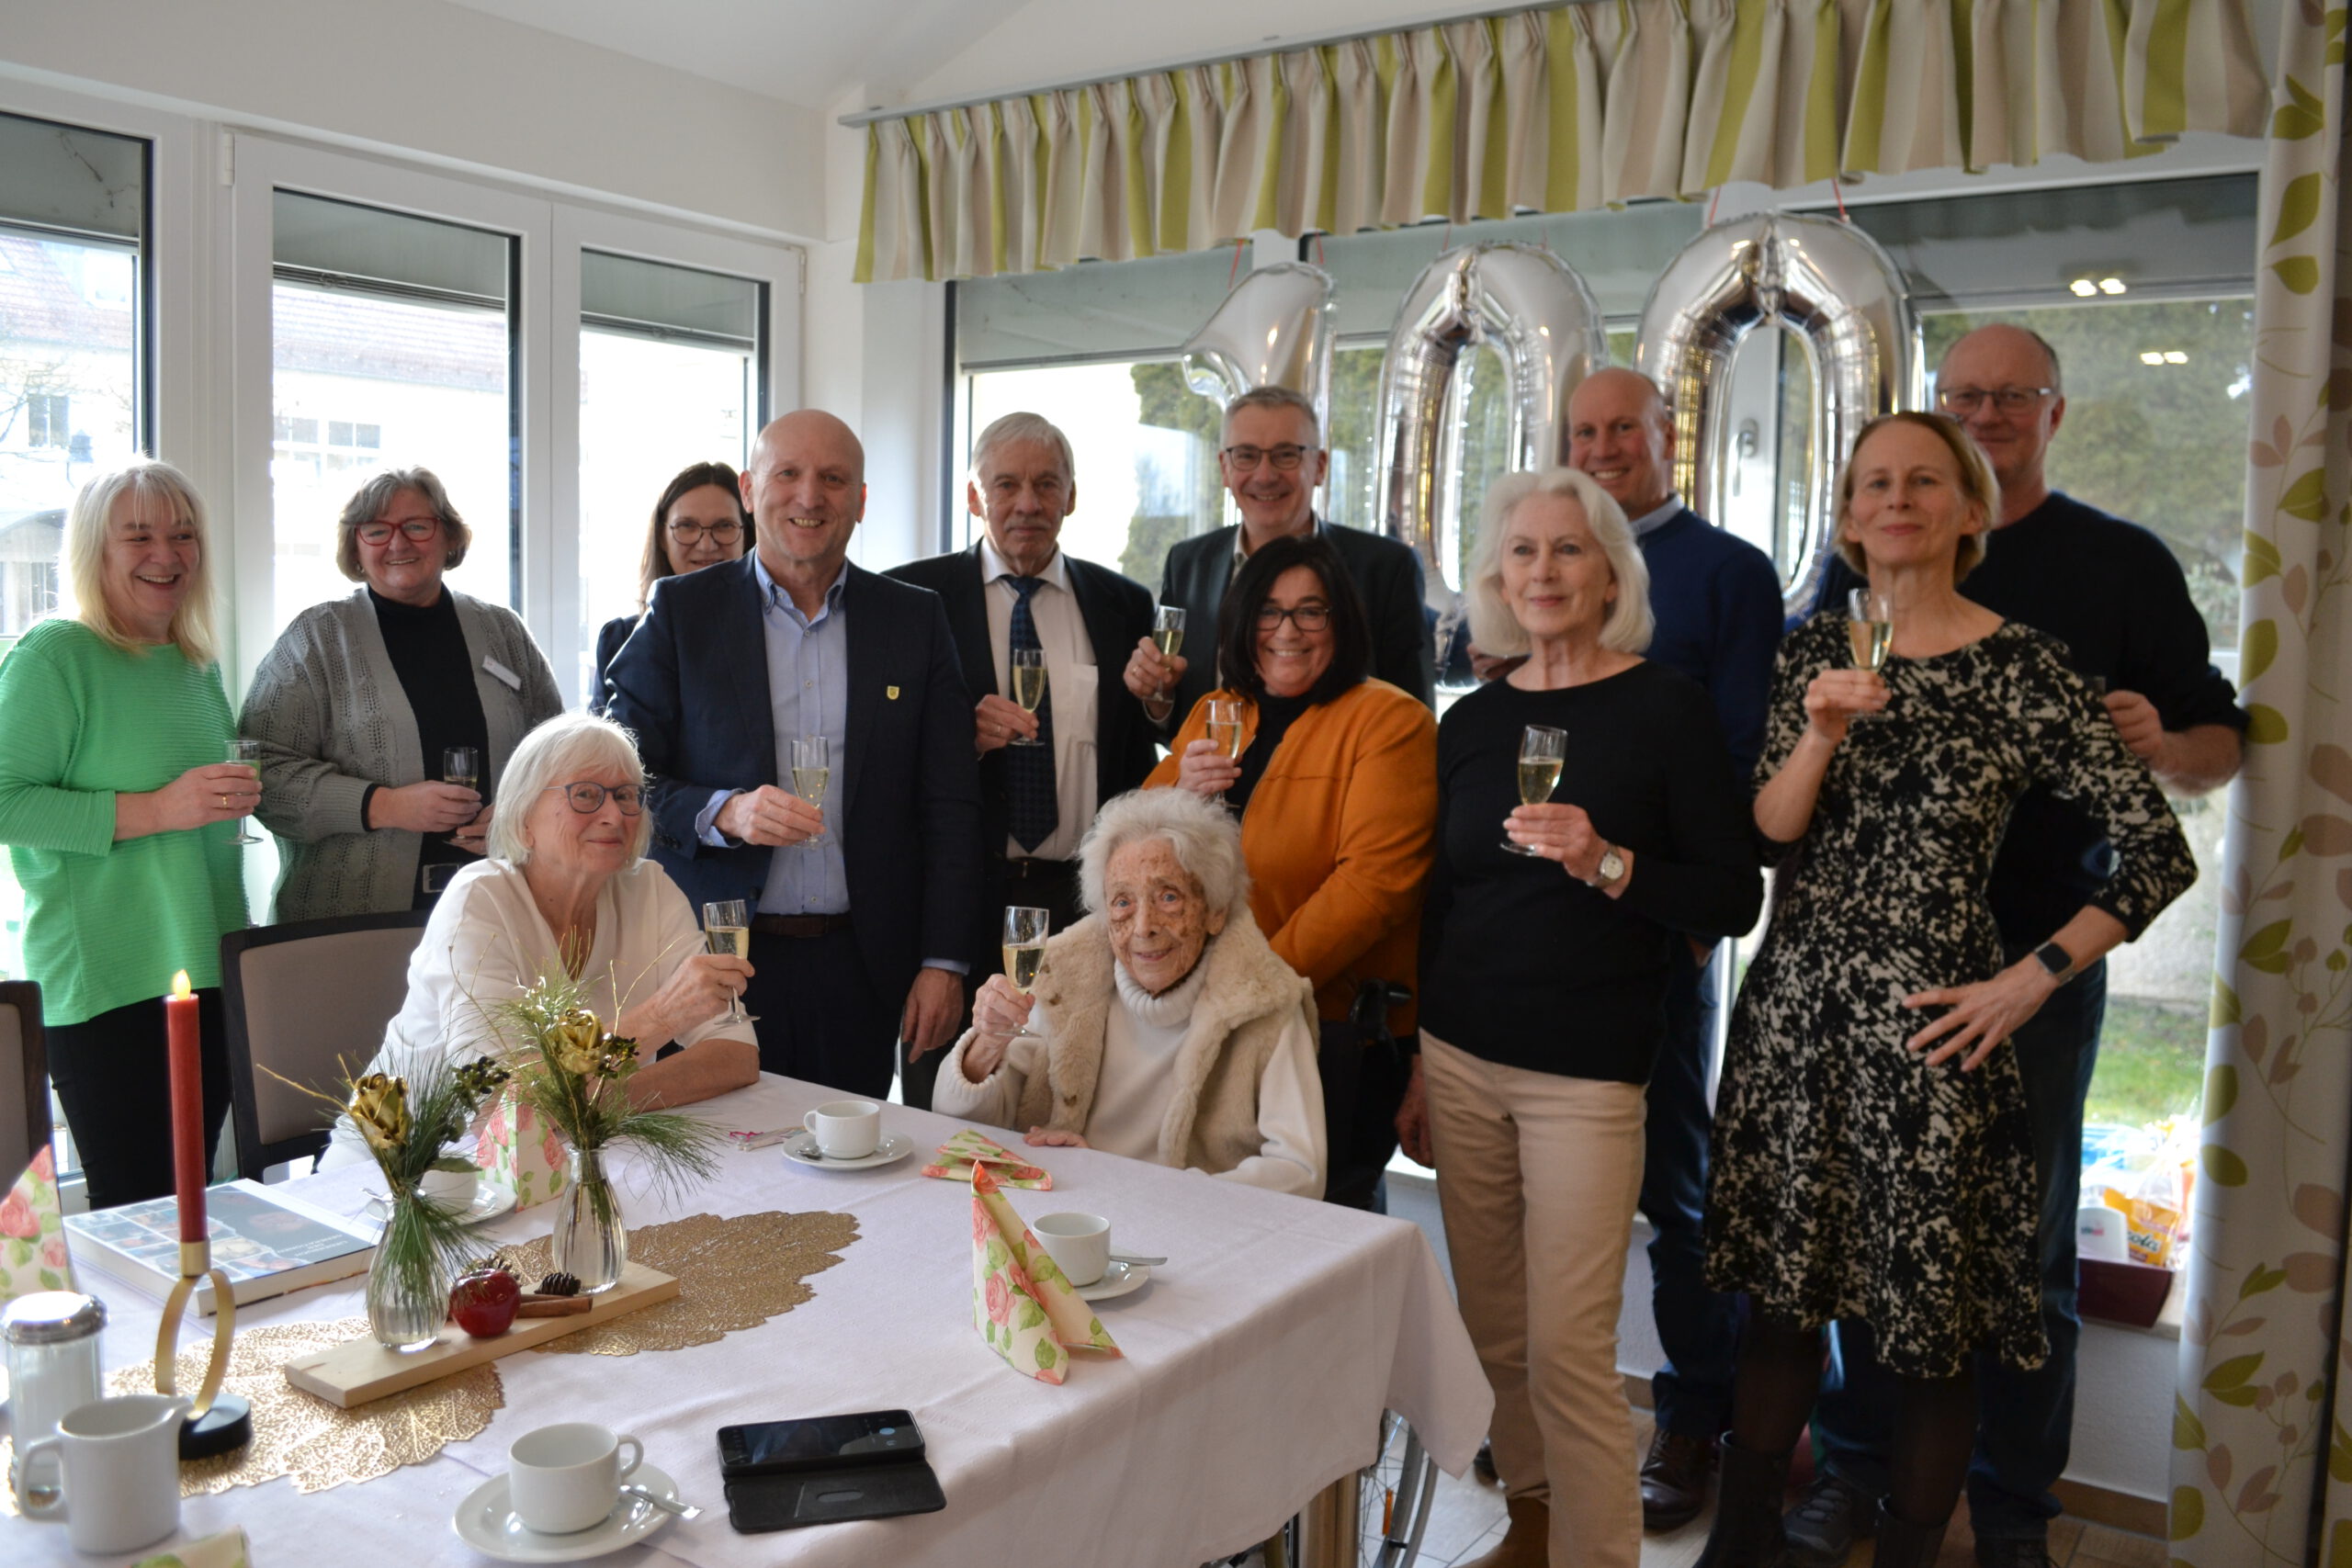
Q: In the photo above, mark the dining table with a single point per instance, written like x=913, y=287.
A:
x=1255, y=1365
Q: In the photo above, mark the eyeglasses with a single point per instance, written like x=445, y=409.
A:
x=1285, y=457
x=692, y=533
x=417, y=528
x=588, y=798
x=1966, y=401
x=1306, y=617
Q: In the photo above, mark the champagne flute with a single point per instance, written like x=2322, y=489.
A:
x=249, y=753
x=727, y=929
x=461, y=765
x=1224, y=728
x=1869, y=630
x=1168, y=632
x=1541, y=750
x=1025, y=949
x=1028, y=686
x=812, y=769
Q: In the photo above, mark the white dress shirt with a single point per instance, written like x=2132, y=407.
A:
x=1071, y=690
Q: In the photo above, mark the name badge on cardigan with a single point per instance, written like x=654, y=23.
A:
x=513, y=681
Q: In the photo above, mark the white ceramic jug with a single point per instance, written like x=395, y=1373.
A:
x=120, y=1459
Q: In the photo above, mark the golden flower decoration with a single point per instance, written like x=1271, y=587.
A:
x=575, y=1042
x=379, y=1109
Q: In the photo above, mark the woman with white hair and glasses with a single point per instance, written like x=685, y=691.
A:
x=1588, y=824
x=567, y=889
x=117, y=801
x=1162, y=1026
x=359, y=703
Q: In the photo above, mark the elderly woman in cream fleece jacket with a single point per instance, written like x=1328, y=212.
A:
x=1162, y=1026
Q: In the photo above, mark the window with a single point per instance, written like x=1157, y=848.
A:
x=671, y=375
x=72, y=363
x=392, y=345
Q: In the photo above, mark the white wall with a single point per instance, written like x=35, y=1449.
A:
x=441, y=84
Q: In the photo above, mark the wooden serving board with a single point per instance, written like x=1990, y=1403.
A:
x=360, y=1370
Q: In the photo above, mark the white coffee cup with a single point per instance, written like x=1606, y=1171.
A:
x=846, y=1129
x=567, y=1477
x=1079, y=1244
x=450, y=1189
x=121, y=1464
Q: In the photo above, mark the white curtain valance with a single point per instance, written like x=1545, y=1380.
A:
x=1553, y=111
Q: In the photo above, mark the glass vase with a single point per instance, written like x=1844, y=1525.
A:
x=590, y=1242
x=408, y=1284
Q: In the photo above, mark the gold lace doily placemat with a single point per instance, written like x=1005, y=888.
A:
x=737, y=1273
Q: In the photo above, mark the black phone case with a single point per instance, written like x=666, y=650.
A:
x=793, y=1499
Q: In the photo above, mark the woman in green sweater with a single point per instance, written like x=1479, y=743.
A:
x=118, y=806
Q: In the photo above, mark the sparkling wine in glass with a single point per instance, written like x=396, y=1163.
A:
x=461, y=765
x=1541, y=750
x=1028, y=686
x=1869, y=630
x=249, y=753
x=1168, y=633
x=1025, y=949
x=1224, y=728
x=812, y=769
x=727, y=929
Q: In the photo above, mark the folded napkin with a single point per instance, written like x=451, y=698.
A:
x=1021, y=1303
x=227, y=1550
x=32, y=1234
x=967, y=1151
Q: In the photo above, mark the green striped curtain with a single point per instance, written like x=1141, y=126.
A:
x=1555, y=110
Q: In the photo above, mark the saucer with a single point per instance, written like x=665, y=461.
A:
x=1118, y=1279
x=486, y=1522
x=800, y=1148
x=489, y=1201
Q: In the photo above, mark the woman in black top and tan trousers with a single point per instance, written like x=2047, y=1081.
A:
x=1544, y=976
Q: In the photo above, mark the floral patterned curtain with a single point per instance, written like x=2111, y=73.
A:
x=2262, y=1431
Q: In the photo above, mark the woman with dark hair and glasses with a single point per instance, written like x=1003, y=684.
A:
x=568, y=890
x=698, y=521
x=1334, y=775
x=361, y=702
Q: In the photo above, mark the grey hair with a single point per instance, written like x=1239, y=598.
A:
x=1204, y=836
x=1271, y=397
x=1022, y=426
x=89, y=521
x=368, y=503
x=558, y=752
x=1492, y=626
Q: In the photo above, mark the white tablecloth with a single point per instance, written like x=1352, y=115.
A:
x=1257, y=1363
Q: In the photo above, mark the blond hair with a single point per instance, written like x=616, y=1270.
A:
x=1629, y=625
x=87, y=527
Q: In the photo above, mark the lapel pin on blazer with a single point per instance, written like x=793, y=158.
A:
x=891, y=693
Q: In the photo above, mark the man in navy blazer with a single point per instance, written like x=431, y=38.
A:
x=864, y=901
x=1036, y=802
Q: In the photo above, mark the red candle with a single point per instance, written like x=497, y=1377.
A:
x=187, y=1107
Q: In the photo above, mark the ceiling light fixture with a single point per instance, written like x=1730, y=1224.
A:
x=2174, y=357
x=2151, y=358
x=2110, y=286
x=2083, y=287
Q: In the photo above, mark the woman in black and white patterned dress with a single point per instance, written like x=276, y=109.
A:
x=1871, y=1154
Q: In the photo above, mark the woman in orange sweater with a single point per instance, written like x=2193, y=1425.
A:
x=1335, y=778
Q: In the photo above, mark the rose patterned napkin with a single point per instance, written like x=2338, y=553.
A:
x=1021, y=1303
x=32, y=1234
x=521, y=1153
x=967, y=1151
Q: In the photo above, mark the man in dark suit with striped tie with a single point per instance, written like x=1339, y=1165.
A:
x=1043, y=774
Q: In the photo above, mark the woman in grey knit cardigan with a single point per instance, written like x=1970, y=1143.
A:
x=356, y=703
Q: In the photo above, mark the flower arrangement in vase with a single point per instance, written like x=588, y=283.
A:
x=574, y=1073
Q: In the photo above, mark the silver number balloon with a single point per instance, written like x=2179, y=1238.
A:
x=1272, y=329
x=1841, y=295
x=1541, y=319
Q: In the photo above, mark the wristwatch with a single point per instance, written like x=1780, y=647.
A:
x=2055, y=959
x=1612, y=867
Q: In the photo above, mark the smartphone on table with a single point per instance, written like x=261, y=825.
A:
x=825, y=1469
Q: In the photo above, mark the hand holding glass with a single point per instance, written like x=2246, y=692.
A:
x=1028, y=686
x=812, y=769
x=727, y=929
x=1224, y=728
x=1168, y=633
x=1541, y=750
x=461, y=765
x=1869, y=630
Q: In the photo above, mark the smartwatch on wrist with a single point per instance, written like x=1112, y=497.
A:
x=2054, y=959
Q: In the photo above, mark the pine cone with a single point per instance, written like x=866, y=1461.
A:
x=560, y=1285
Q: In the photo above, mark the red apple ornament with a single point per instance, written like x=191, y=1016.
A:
x=483, y=1303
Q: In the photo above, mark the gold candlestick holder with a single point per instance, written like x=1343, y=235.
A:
x=217, y=1422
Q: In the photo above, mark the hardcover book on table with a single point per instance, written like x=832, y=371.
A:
x=267, y=1243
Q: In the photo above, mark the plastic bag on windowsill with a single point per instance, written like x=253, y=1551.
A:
x=2149, y=1175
